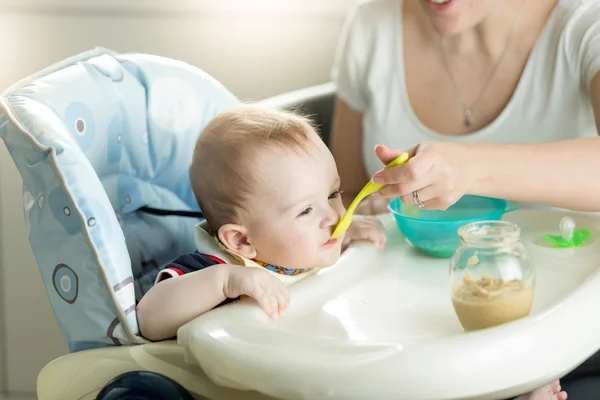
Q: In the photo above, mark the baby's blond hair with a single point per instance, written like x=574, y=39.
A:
x=221, y=172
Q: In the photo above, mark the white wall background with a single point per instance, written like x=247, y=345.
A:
x=257, y=48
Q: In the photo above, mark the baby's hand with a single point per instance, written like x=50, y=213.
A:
x=270, y=293
x=365, y=228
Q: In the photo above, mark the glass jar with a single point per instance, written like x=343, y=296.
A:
x=492, y=276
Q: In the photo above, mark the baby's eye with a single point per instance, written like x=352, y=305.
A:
x=335, y=194
x=306, y=211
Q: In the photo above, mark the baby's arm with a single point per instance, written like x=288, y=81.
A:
x=174, y=302
x=171, y=303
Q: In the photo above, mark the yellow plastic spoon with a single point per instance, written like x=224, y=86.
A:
x=369, y=189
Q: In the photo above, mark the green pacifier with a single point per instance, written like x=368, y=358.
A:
x=569, y=236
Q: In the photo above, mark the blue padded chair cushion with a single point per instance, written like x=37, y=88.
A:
x=95, y=137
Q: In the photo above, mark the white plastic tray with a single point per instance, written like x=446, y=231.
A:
x=381, y=325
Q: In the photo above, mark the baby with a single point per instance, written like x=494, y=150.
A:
x=269, y=189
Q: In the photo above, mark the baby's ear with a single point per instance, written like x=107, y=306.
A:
x=235, y=238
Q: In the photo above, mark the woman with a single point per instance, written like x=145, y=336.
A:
x=412, y=71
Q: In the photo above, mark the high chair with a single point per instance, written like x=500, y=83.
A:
x=95, y=138
x=102, y=139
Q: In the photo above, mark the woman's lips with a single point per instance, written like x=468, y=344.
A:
x=438, y=5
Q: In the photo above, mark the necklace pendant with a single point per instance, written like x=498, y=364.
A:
x=468, y=121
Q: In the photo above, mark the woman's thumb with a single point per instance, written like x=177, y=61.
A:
x=385, y=154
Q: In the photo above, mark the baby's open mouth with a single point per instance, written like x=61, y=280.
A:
x=330, y=242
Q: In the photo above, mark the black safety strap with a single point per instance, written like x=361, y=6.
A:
x=179, y=213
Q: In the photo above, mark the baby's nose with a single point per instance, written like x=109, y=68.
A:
x=332, y=218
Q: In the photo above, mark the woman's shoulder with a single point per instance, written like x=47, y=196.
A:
x=570, y=41
x=375, y=20
x=576, y=12
x=378, y=6
x=577, y=23
x=575, y=5
x=376, y=10
x=579, y=37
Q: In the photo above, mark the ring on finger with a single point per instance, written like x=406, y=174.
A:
x=417, y=202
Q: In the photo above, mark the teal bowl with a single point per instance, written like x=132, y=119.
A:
x=435, y=232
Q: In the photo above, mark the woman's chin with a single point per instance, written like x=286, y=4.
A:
x=446, y=27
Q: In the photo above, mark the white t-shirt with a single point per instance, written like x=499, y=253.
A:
x=551, y=101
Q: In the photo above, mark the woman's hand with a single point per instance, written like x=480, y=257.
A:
x=436, y=171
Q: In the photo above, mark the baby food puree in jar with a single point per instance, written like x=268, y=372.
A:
x=492, y=276
x=490, y=301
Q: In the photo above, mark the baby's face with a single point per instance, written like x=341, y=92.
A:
x=295, y=206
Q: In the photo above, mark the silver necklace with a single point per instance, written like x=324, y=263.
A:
x=468, y=109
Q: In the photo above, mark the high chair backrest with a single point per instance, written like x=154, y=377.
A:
x=95, y=137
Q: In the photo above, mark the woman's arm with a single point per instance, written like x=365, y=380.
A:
x=563, y=174
x=346, y=146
